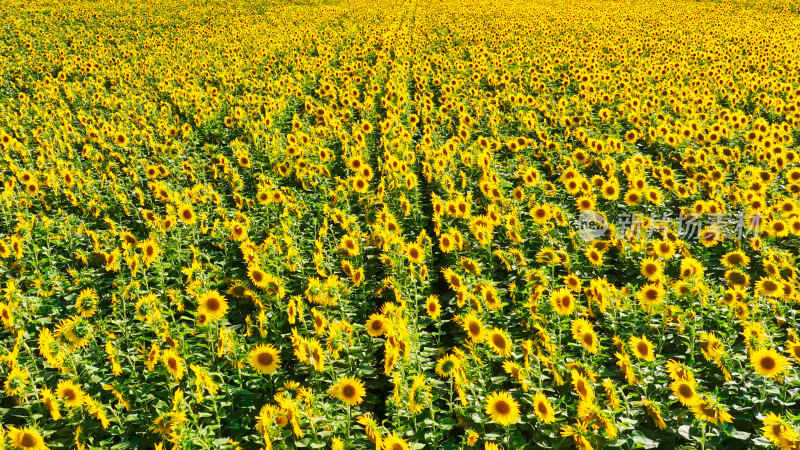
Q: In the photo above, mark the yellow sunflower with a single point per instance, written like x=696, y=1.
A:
x=778, y=431
x=186, y=214
x=642, y=348
x=213, y=305
x=502, y=408
x=651, y=295
x=473, y=326
x=174, y=363
x=265, y=358
x=26, y=438
x=582, y=386
x=684, y=391
x=376, y=325
x=348, y=390
x=499, y=342
x=432, y=307
x=768, y=362
x=710, y=411
x=415, y=253
x=447, y=365
x=543, y=409
x=583, y=332
x=86, y=303
x=563, y=301
x=395, y=442
x=70, y=392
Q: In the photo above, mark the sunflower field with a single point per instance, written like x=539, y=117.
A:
x=339, y=224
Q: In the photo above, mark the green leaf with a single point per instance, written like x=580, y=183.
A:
x=643, y=441
x=741, y=435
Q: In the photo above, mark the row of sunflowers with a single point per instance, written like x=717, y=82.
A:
x=405, y=225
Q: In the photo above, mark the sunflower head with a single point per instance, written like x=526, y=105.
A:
x=502, y=408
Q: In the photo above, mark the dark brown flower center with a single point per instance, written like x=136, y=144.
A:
x=502, y=407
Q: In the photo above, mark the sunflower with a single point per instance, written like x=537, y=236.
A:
x=472, y=438
x=470, y=265
x=768, y=287
x=376, y=325
x=446, y=243
x=186, y=214
x=768, y=362
x=349, y=245
x=541, y=213
x=349, y=391
x=595, y=257
x=238, y=231
x=777, y=228
x=473, y=326
x=490, y=296
x=26, y=438
x=499, y=342
x=6, y=316
x=502, y=408
x=610, y=190
x=654, y=412
x=273, y=286
x=642, y=348
x=732, y=260
x=213, y=305
x=257, y=276
x=741, y=310
x=585, y=202
x=793, y=349
x=86, y=303
x=543, y=409
x=320, y=322
x=678, y=371
x=573, y=282
x=733, y=295
x=70, y=392
x=691, y=268
x=120, y=139
x=736, y=278
x=711, y=236
x=710, y=346
x=611, y=392
x=582, y=386
x=432, y=307
x=16, y=381
x=651, y=269
x=265, y=358
x=316, y=355
x=395, y=442
x=174, y=363
x=777, y=430
x=710, y=411
x=51, y=403
x=562, y=301
x=5, y=250
x=583, y=332
x=149, y=251
x=685, y=392
x=415, y=253
x=664, y=249
x=447, y=365
x=651, y=295
x=633, y=197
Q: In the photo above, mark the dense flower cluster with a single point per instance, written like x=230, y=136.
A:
x=345, y=224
